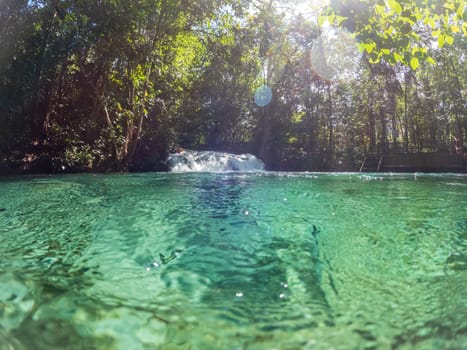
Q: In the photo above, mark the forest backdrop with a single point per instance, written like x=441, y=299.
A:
x=111, y=85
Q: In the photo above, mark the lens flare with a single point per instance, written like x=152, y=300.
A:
x=263, y=95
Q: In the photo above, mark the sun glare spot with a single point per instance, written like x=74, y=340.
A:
x=335, y=55
x=306, y=6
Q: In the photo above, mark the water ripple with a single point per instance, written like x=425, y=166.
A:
x=221, y=261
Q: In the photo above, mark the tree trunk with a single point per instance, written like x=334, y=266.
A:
x=136, y=128
x=384, y=130
x=395, y=133
x=331, y=126
x=459, y=124
x=406, y=117
x=371, y=125
x=265, y=136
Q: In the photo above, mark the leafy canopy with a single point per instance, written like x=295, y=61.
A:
x=399, y=30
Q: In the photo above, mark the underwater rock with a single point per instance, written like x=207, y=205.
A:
x=15, y=301
x=8, y=341
x=172, y=256
x=315, y=231
x=315, y=247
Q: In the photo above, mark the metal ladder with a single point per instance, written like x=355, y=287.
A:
x=371, y=163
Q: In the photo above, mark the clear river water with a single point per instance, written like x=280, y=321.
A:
x=233, y=261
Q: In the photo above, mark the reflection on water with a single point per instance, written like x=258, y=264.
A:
x=227, y=261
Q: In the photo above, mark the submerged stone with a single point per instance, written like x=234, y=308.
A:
x=15, y=301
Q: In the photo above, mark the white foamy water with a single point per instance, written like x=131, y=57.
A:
x=210, y=161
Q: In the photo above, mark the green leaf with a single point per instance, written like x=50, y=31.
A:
x=361, y=47
x=431, y=22
x=460, y=10
x=449, y=6
x=398, y=57
x=340, y=19
x=449, y=39
x=395, y=6
x=379, y=9
x=455, y=29
x=369, y=47
x=418, y=15
x=430, y=60
x=441, y=38
x=414, y=63
x=322, y=20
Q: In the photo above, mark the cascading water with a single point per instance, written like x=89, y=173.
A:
x=210, y=161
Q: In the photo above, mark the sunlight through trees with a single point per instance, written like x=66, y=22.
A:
x=115, y=85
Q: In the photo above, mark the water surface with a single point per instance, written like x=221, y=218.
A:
x=233, y=261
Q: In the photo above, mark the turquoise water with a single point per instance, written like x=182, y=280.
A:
x=233, y=261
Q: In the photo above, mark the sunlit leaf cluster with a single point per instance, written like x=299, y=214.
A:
x=402, y=31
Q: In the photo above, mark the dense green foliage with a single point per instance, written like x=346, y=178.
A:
x=399, y=30
x=115, y=84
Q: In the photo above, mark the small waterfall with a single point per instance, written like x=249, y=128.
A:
x=209, y=161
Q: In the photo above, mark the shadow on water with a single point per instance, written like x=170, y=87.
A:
x=249, y=274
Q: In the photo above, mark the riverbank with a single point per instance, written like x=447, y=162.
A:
x=49, y=162
x=18, y=163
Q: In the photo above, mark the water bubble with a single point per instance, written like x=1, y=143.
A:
x=263, y=95
x=335, y=55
